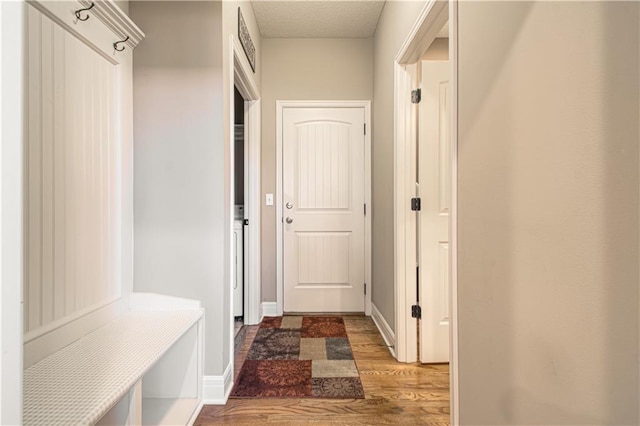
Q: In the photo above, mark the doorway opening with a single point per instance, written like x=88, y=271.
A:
x=433, y=184
x=426, y=171
x=244, y=97
x=240, y=197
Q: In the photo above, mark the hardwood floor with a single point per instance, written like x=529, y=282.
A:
x=395, y=393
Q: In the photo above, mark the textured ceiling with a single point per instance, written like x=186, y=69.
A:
x=317, y=19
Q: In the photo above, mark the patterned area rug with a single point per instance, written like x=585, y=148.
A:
x=299, y=357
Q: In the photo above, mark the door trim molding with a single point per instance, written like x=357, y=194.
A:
x=405, y=222
x=454, y=374
x=432, y=17
x=280, y=106
x=242, y=78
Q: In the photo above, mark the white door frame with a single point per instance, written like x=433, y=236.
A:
x=280, y=106
x=433, y=16
x=244, y=81
x=405, y=221
x=12, y=120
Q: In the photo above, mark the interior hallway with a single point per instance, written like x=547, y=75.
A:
x=398, y=394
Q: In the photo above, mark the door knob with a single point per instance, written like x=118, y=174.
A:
x=289, y=220
x=289, y=206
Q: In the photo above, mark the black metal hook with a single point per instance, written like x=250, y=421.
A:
x=84, y=10
x=115, y=45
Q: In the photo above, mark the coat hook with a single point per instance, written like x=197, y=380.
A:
x=84, y=10
x=115, y=45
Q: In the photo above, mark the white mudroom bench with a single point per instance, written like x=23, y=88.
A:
x=144, y=367
x=94, y=351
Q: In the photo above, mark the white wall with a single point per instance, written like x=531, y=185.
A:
x=179, y=160
x=438, y=51
x=395, y=22
x=183, y=147
x=548, y=212
x=11, y=239
x=303, y=69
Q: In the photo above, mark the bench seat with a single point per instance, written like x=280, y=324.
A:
x=80, y=383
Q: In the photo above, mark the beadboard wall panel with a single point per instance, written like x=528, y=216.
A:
x=72, y=177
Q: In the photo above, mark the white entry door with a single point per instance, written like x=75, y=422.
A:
x=435, y=193
x=323, y=209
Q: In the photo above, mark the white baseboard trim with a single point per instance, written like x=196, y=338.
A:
x=383, y=327
x=195, y=414
x=216, y=389
x=269, y=309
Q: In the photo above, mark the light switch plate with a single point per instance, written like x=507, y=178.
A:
x=269, y=199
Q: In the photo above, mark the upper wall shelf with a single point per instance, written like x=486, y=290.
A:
x=102, y=24
x=116, y=20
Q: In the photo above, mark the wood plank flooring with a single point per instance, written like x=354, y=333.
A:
x=395, y=393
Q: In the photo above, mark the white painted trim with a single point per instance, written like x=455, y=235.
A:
x=270, y=309
x=62, y=322
x=216, y=389
x=12, y=119
x=253, y=212
x=106, y=25
x=243, y=75
x=200, y=372
x=195, y=414
x=405, y=220
x=244, y=81
x=279, y=271
x=366, y=105
x=47, y=340
x=367, y=218
x=116, y=20
x=385, y=329
x=399, y=214
x=453, y=237
x=431, y=19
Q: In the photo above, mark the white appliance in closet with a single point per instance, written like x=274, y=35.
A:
x=238, y=252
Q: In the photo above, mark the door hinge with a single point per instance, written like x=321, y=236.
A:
x=416, y=311
x=416, y=96
x=365, y=289
x=365, y=209
x=246, y=222
x=365, y=128
x=415, y=204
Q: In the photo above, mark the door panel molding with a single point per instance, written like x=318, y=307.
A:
x=280, y=107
